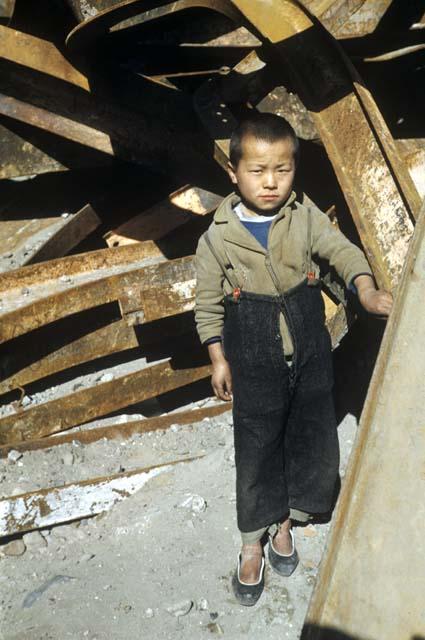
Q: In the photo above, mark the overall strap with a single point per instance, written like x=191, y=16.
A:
x=309, y=263
x=227, y=274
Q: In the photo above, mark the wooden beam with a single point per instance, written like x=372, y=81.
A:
x=47, y=507
x=125, y=430
x=93, y=402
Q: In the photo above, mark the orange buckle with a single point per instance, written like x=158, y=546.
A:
x=236, y=294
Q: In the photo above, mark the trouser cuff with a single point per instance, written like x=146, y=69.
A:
x=251, y=537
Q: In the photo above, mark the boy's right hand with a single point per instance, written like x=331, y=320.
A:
x=221, y=379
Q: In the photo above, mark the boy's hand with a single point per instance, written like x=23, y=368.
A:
x=221, y=379
x=376, y=301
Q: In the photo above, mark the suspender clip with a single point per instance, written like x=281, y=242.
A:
x=236, y=294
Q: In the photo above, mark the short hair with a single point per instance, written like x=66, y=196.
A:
x=263, y=126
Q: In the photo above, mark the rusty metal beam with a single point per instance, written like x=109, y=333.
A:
x=156, y=291
x=34, y=53
x=47, y=507
x=333, y=14
x=74, y=229
x=34, y=240
x=7, y=8
x=27, y=151
x=119, y=430
x=371, y=581
x=71, y=266
x=180, y=207
x=40, y=90
x=62, y=126
x=99, y=20
x=93, y=402
x=114, y=337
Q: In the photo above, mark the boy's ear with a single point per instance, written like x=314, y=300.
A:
x=231, y=172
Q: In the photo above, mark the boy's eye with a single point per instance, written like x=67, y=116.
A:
x=255, y=170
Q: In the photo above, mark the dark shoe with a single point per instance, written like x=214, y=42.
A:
x=282, y=564
x=247, y=594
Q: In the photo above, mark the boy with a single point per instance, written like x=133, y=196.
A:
x=260, y=312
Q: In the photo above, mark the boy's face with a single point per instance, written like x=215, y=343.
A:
x=265, y=174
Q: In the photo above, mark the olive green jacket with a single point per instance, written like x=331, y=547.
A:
x=246, y=259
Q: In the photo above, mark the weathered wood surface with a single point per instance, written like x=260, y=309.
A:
x=87, y=436
x=47, y=507
x=157, y=291
x=115, y=337
x=93, y=402
x=372, y=580
x=150, y=225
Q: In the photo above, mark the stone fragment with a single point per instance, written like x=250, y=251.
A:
x=13, y=548
x=26, y=400
x=202, y=604
x=68, y=458
x=107, y=377
x=181, y=608
x=14, y=456
x=215, y=627
x=195, y=503
x=34, y=540
x=309, y=531
x=149, y=613
x=86, y=557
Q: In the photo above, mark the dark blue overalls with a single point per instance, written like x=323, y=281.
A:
x=285, y=432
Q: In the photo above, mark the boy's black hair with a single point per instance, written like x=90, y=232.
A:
x=263, y=126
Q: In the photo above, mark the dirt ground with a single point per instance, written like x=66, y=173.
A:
x=157, y=565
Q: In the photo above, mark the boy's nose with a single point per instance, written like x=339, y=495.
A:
x=270, y=180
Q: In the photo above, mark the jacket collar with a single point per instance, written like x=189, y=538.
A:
x=225, y=211
x=235, y=232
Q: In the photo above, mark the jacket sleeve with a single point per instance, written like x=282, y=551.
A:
x=209, y=306
x=329, y=243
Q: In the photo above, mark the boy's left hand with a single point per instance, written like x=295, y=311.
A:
x=376, y=301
